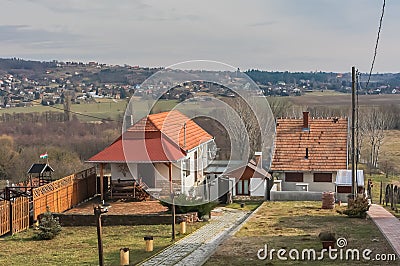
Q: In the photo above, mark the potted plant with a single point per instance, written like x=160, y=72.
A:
x=328, y=239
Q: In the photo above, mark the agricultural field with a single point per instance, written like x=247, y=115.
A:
x=101, y=109
x=321, y=99
x=292, y=225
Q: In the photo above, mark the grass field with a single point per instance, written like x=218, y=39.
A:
x=316, y=99
x=324, y=93
x=102, y=109
x=292, y=225
x=78, y=245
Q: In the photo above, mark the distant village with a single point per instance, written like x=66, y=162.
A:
x=26, y=83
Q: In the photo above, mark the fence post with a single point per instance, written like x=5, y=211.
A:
x=380, y=194
x=391, y=197
x=11, y=217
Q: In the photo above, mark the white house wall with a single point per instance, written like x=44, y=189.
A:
x=308, y=178
x=118, y=171
x=257, y=187
x=162, y=170
x=232, y=185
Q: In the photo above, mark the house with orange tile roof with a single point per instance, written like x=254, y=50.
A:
x=309, y=152
x=165, y=151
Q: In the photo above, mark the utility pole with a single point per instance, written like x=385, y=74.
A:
x=353, y=130
x=171, y=190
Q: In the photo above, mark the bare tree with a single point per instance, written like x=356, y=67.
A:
x=373, y=123
x=279, y=106
x=7, y=156
x=255, y=128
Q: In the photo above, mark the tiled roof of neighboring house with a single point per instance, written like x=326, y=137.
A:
x=251, y=170
x=154, y=139
x=310, y=144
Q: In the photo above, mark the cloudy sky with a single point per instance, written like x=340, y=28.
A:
x=293, y=35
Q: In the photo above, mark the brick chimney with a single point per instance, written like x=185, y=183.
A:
x=306, y=121
x=258, y=156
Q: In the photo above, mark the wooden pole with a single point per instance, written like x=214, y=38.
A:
x=97, y=214
x=353, y=139
x=380, y=194
x=173, y=200
x=101, y=181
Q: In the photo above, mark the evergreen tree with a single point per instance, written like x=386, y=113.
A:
x=49, y=226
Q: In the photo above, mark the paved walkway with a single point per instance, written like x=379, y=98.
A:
x=387, y=224
x=197, y=247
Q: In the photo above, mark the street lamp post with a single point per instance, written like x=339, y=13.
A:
x=98, y=211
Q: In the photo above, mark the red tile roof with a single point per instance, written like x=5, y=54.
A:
x=326, y=142
x=154, y=139
x=172, y=124
x=251, y=170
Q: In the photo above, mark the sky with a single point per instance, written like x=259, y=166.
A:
x=284, y=35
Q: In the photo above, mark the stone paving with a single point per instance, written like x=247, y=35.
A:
x=197, y=247
x=387, y=224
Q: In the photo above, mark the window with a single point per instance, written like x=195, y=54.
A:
x=242, y=187
x=294, y=177
x=186, y=166
x=344, y=189
x=322, y=177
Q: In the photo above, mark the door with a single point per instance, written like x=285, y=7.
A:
x=146, y=174
x=243, y=187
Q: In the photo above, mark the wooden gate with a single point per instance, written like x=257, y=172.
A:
x=14, y=215
x=4, y=217
x=20, y=214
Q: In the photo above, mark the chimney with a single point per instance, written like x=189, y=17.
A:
x=258, y=155
x=306, y=118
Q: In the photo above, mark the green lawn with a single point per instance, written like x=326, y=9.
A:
x=248, y=205
x=78, y=245
x=292, y=225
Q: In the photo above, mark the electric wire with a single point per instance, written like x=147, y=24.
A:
x=376, y=43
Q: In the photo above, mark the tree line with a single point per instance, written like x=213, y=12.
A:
x=68, y=145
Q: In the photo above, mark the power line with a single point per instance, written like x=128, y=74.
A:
x=376, y=43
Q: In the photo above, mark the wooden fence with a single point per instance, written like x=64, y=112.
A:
x=64, y=193
x=19, y=214
x=14, y=215
x=59, y=196
x=4, y=217
x=391, y=195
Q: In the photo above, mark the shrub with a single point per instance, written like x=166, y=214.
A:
x=357, y=208
x=184, y=204
x=327, y=236
x=49, y=226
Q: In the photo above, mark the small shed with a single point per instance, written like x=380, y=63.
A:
x=42, y=172
x=344, y=183
x=251, y=180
